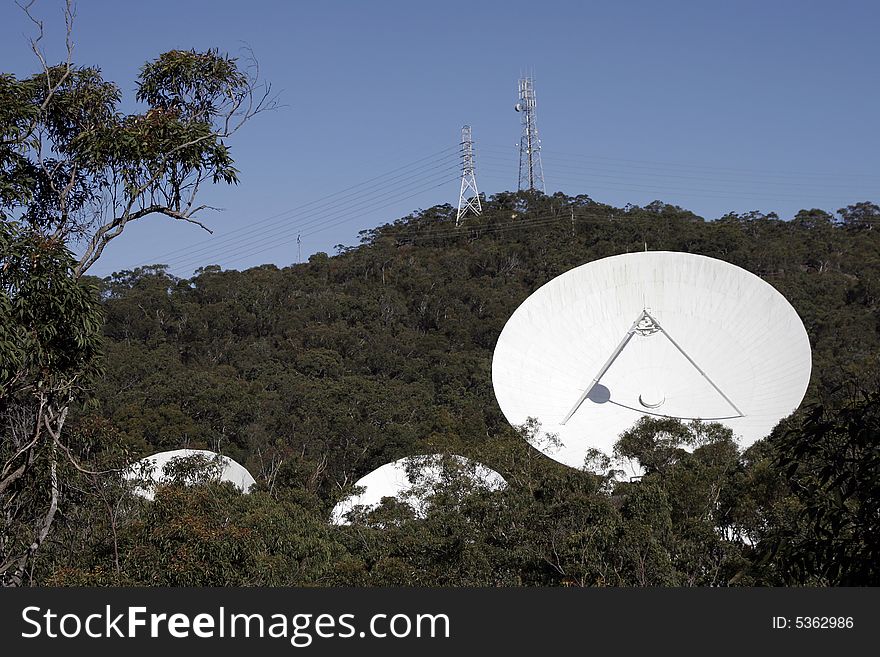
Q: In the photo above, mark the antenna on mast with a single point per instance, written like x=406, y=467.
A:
x=467, y=201
x=531, y=171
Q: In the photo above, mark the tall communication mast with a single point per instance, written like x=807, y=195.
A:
x=531, y=171
x=469, y=197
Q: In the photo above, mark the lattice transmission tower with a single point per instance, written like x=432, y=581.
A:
x=531, y=171
x=468, y=197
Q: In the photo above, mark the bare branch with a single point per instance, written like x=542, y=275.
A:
x=114, y=228
x=21, y=562
x=56, y=438
x=51, y=87
x=26, y=447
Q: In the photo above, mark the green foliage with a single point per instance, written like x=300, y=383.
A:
x=50, y=326
x=831, y=462
x=49, y=321
x=861, y=216
x=73, y=166
x=191, y=83
x=315, y=374
x=208, y=535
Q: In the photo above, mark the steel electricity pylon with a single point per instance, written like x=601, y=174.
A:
x=468, y=197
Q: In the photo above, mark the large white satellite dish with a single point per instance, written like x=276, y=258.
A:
x=150, y=472
x=654, y=333
x=411, y=480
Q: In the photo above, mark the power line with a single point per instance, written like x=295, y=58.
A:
x=595, y=180
x=343, y=202
x=281, y=239
x=701, y=167
x=318, y=206
x=278, y=238
x=430, y=172
x=314, y=216
x=724, y=178
x=251, y=225
x=695, y=192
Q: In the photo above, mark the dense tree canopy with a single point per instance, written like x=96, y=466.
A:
x=314, y=374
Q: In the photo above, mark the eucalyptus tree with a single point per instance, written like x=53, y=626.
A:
x=75, y=170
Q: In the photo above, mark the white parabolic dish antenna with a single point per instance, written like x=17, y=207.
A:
x=152, y=468
x=656, y=333
x=394, y=480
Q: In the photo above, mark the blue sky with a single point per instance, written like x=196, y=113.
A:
x=714, y=106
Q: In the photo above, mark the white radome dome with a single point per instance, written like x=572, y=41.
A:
x=393, y=480
x=153, y=469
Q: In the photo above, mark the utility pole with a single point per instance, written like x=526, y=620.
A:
x=468, y=197
x=531, y=171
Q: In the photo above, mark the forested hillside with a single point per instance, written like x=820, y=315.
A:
x=313, y=375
